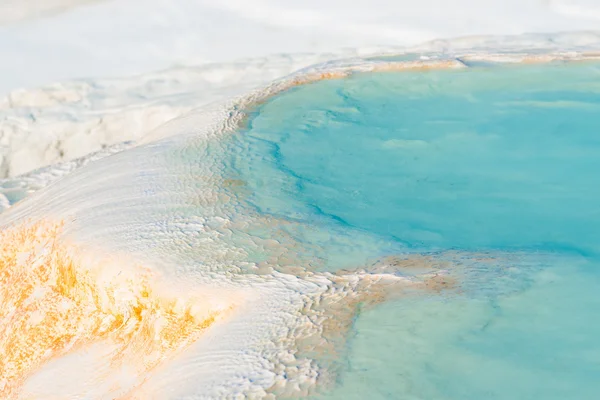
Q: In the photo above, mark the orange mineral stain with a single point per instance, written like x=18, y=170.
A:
x=51, y=305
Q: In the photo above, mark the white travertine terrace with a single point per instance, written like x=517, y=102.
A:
x=157, y=206
x=64, y=121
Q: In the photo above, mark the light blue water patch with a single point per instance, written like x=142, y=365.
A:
x=501, y=160
x=535, y=344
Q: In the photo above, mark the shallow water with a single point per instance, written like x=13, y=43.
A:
x=500, y=161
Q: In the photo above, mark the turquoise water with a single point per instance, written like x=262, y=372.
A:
x=500, y=160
